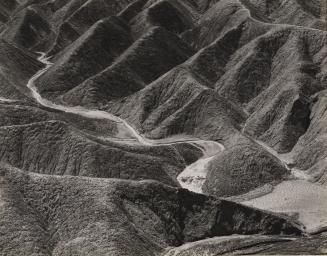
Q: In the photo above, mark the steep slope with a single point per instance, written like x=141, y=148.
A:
x=295, y=12
x=310, y=152
x=42, y=214
x=53, y=147
x=175, y=104
x=22, y=113
x=251, y=245
x=223, y=97
x=16, y=67
x=27, y=29
x=241, y=168
x=77, y=16
x=148, y=58
x=238, y=72
x=171, y=15
x=222, y=17
x=7, y=7
x=90, y=54
x=281, y=113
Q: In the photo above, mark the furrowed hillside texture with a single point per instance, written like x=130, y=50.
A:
x=163, y=127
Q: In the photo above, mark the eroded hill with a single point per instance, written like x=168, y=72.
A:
x=132, y=100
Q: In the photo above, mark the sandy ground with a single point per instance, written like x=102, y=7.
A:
x=300, y=197
x=306, y=199
x=297, y=197
x=194, y=176
x=191, y=178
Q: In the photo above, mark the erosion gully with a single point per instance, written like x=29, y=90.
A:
x=194, y=175
x=191, y=178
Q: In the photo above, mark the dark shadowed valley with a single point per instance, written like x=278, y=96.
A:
x=163, y=127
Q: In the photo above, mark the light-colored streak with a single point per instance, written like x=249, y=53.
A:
x=6, y=100
x=197, y=169
x=194, y=175
x=297, y=197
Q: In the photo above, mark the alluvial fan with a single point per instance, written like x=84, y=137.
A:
x=163, y=127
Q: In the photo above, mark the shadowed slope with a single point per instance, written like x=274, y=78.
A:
x=251, y=245
x=221, y=18
x=281, y=112
x=310, y=152
x=241, y=168
x=295, y=12
x=87, y=56
x=249, y=74
x=55, y=148
x=27, y=29
x=175, y=104
x=82, y=216
x=148, y=58
x=7, y=7
x=16, y=67
x=20, y=113
x=77, y=16
x=171, y=15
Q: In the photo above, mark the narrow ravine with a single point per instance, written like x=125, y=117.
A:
x=286, y=160
x=192, y=178
x=245, y=7
x=287, y=197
